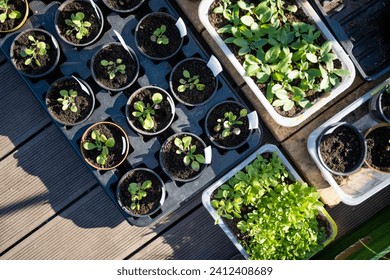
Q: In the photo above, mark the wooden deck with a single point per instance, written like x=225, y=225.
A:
x=51, y=207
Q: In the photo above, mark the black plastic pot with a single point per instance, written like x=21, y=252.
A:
x=147, y=173
x=129, y=110
x=98, y=16
x=24, y=15
x=35, y=72
x=377, y=105
x=122, y=9
x=355, y=154
x=378, y=148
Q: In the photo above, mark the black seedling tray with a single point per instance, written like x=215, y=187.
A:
x=110, y=106
x=361, y=27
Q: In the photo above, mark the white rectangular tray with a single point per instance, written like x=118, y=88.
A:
x=337, y=49
x=359, y=186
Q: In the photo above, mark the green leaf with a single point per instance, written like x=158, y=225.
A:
x=312, y=57
x=147, y=185
x=157, y=98
x=89, y=146
x=186, y=160
x=3, y=17
x=139, y=106
x=200, y=158
x=178, y=143
x=181, y=88
x=272, y=54
x=73, y=108
x=247, y=20
x=187, y=141
x=27, y=61
x=243, y=112
x=341, y=72
x=104, y=62
x=325, y=48
x=195, y=166
x=101, y=159
x=148, y=123
x=186, y=74
x=110, y=142
x=241, y=42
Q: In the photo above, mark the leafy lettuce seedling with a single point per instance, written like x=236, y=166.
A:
x=230, y=123
x=68, y=100
x=5, y=8
x=144, y=112
x=159, y=37
x=102, y=144
x=77, y=23
x=190, y=158
x=138, y=192
x=113, y=67
x=188, y=82
x=33, y=53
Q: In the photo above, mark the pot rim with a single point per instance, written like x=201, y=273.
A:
x=123, y=11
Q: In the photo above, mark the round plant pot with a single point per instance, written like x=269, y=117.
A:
x=379, y=106
x=172, y=163
x=164, y=111
x=144, y=32
x=341, y=149
x=123, y=6
x=11, y=25
x=193, y=96
x=112, y=52
x=47, y=62
x=84, y=101
x=72, y=7
x=117, y=153
x=149, y=204
x=214, y=126
x=378, y=147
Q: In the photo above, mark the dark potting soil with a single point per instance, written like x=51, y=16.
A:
x=146, y=29
x=218, y=21
x=84, y=102
x=112, y=53
x=123, y=4
x=206, y=77
x=9, y=23
x=46, y=61
x=115, y=153
x=90, y=16
x=218, y=113
x=151, y=201
x=378, y=148
x=341, y=150
x=386, y=104
x=163, y=111
x=174, y=162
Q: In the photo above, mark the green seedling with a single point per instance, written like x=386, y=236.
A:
x=68, y=100
x=78, y=25
x=102, y=144
x=138, y=192
x=230, y=123
x=113, y=67
x=190, y=158
x=159, y=37
x=189, y=82
x=144, y=112
x=388, y=89
x=33, y=53
x=6, y=12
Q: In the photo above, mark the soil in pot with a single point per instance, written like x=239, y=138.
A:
x=150, y=47
x=74, y=7
x=123, y=5
x=151, y=201
x=163, y=111
x=195, y=67
x=10, y=23
x=233, y=139
x=112, y=52
x=378, y=148
x=83, y=101
x=115, y=155
x=173, y=162
x=342, y=150
x=42, y=63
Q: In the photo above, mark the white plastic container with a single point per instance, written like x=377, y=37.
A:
x=268, y=148
x=337, y=49
x=366, y=182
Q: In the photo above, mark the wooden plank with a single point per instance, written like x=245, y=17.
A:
x=37, y=181
x=295, y=146
x=190, y=9
x=194, y=238
x=21, y=114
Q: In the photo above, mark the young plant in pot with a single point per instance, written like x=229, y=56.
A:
x=13, y=14
x=70, y=100
x=378, y=147
x=141, y=192
x=380, y=105
x=159, y=35
x=227, y=125
x=192, y=82
x=115, y=68
x=104, y=145
x=123, y=6
x=79, y=22
x=150, y=110
x=35, y=53
x=341, y=149
x=183, y=157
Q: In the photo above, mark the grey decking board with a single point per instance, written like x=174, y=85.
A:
x=38, y=180
x=20, y=113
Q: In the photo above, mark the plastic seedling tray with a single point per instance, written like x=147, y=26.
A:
x=268, y=148
x=110, y=106
x=359, y=186
x=337, y=49
x=362, y=29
